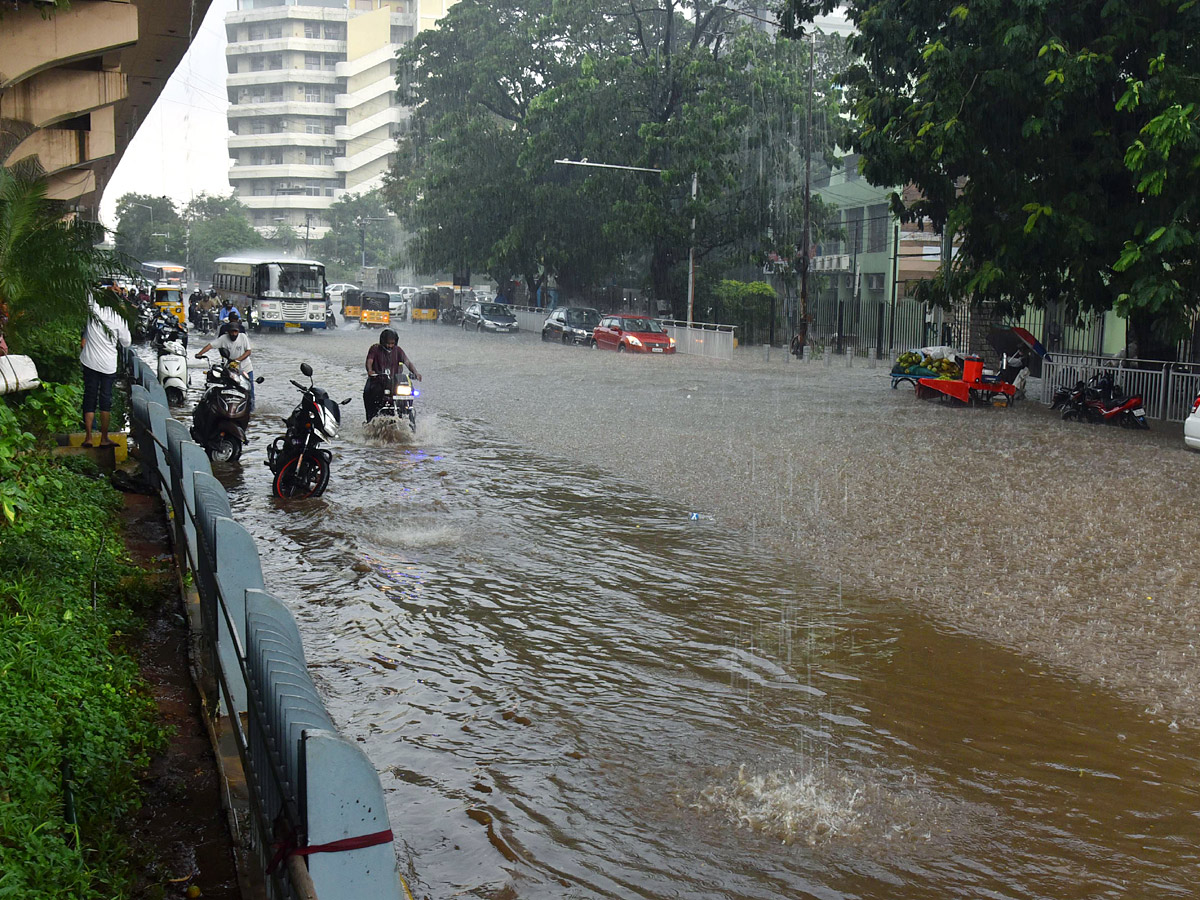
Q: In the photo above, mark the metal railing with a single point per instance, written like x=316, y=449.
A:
x=702, y=339
x=1167, y=389
x=319, y=822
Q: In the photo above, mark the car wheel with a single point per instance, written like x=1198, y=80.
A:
x=593, y=344
x=566, y=339
x=545, y=335
x=478, y=327
x=621, y=348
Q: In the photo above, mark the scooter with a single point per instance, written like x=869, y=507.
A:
x=170, y=341
x=399, y=396
x=299, y=463
x=220, y=418
x=1102, y=401
x=330, y=318
x=253, y=317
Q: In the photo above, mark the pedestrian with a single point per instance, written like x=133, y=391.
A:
x=98, y=355
x=238, y=344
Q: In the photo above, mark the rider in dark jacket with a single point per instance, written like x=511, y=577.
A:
x=384, y=358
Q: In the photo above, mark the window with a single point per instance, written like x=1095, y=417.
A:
x=313, y=156
x=257, y=32
x=312, y=29
x=277, y=93
x=275, y=32
x=877, y=222
x=258, y=126
x=312, y=60
x=330, y=95
x=257, y=63
x=312, y=126
x=258, y=96
x=334, y=32
x=401, y=34
x=312, y=95
x=330, y=61
x=275, y=61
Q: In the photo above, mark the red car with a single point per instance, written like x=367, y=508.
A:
x=636, y=334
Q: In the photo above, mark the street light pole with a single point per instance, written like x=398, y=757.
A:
x=691, y=248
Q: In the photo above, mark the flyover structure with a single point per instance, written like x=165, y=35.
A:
x=78, y=79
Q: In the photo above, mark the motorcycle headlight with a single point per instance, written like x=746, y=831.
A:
x=404, y=390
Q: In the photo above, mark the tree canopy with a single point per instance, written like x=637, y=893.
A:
x=359, y=230
x=503, y=90
x=1057, y=140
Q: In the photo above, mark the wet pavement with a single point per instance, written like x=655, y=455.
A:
x=615, y=626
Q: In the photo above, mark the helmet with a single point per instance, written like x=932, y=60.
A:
x=388, y=335
x=234, y=314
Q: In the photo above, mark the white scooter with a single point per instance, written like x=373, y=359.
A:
x=170, y=341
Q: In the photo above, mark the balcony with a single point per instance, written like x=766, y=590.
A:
x=323, y=77
x=391, y=116
x=293, y=43
x=281, y=170
x=281, y=139
x=280, y=108
x=285, y=201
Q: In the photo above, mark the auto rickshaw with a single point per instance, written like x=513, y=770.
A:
x=426, y=305
x=170, y=298
x=351, y=303
x=375, y=310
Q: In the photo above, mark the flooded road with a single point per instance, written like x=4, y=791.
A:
x=609, y=627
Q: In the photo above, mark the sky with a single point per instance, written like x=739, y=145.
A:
x=181, y=150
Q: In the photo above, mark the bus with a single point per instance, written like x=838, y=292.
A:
x=162, y=272
x=285, y=292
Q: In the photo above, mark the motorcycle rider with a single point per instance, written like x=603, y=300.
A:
x=238, y=344
x=384, y=358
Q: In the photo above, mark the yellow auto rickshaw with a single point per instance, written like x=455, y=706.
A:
x=351, y=303
x=426, y=305
x=375, y=310
x=170, y=298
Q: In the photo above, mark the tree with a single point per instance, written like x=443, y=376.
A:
x=502, y=91
x=1057, y=140
x=217, y=226
x=358, y=228
x=48, y=265
x=149, y=228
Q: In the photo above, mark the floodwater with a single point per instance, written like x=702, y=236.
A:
x=665, y=627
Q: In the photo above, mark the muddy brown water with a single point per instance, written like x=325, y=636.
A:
x=617, y=627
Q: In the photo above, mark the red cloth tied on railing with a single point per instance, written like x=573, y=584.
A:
x=287, y=848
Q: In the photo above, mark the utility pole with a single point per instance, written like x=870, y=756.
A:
x=805, y=262
x=307, y=223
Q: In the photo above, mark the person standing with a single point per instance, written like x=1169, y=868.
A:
x=98, y=355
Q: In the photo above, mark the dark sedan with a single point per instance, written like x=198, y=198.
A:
x=571, y=324
x=490, y=317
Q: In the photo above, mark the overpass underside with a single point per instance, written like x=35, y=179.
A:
x=77, y=82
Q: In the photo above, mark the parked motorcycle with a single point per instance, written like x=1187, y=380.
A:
x=220, y=418
x=170, y=343
x=1100, y=400
x=299, y=463
x=399, y=395
x=451, y=315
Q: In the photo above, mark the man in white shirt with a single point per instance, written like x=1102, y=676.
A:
x=98, y=356
x=238, y=344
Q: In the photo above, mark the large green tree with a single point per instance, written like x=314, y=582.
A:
x=150, y=228
x=502, y=91
x=217, y=226
x=1057, y=139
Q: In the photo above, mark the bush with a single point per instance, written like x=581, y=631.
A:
x=69, y=701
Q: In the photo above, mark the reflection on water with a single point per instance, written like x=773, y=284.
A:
x=572, y=688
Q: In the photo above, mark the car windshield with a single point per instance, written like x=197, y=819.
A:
x=644, y=326
x=493, y=309
x=583, y=318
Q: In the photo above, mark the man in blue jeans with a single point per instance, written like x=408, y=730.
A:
x=98, y=356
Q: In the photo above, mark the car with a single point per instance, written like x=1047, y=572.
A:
x=633, y=334
x=334, y=291
x=1191, y=426
x=571, y=324
x=398, y=306
x=490, y=317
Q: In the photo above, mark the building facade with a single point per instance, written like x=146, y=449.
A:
x=313, y=112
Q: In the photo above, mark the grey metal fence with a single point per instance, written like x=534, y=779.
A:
x=1167, y=389
x=702, y=339
x=319, y=823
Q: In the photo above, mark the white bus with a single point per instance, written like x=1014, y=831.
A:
x=162, y=272
x=283, y=291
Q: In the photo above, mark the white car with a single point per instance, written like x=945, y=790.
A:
x=397, y=306
x=1191, y=426
x=334, y=291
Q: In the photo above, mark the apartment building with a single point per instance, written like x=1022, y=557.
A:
x=313, y=112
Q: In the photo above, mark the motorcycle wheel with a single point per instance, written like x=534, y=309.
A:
x=174, y=396
x=1072, y=414
x=225, y=449
x=302, y=477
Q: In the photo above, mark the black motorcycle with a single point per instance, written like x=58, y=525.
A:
x=398, y=396
x=300, y=464
x=220, y=418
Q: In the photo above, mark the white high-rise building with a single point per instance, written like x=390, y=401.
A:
x=313, y=111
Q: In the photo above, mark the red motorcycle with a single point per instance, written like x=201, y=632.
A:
x=1103, y=401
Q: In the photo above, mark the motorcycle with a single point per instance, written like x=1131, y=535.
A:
x=330, y=317
x=299, y=463
x=206, y=321
x=1103, y=401
x=254, y=318
x=220, y=418
x=399, y=396
x=451, y=315
x=170, y=342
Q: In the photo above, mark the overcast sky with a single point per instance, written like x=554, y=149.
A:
x=181, y=150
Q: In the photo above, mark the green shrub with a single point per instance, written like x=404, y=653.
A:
x=68, y=697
